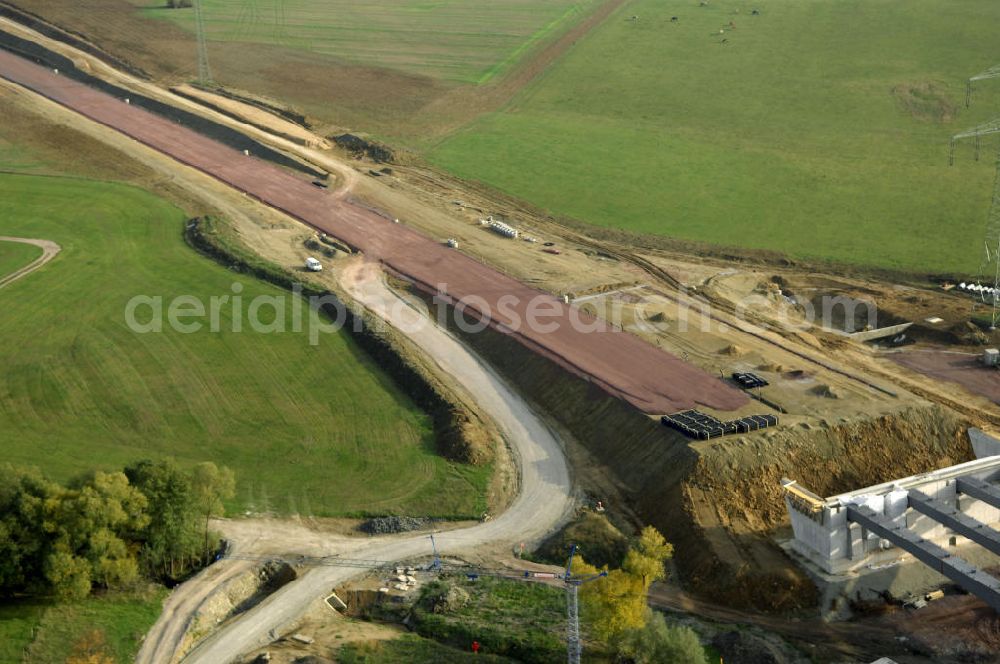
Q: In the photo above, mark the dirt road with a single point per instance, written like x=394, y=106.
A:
x=49, y=251
x=619, y=363
x=856, y=641
x=544, y=500
x=166, y=636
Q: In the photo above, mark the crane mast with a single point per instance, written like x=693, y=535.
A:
x=574, y=646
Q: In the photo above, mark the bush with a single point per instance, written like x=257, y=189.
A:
x=597, y=540
x=660, y=643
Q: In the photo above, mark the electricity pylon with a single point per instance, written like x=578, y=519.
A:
x=992, y=241
x=992, y=72
x=204, y=71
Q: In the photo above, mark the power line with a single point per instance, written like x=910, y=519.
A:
x=992, y=239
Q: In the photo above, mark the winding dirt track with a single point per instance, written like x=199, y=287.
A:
x=49, y=251
x=621, y=364
x=544, y=501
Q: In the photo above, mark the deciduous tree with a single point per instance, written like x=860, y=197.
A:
x=617, y=603
x=646, y=556
x=23, y=492
x=91, y=525
x=212, y=486
x=172, y=536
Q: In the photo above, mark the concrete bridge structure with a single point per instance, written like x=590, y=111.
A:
x=927, y=517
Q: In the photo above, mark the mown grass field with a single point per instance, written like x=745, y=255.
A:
x=16, y=159
x=15, y=255
x=44, y=631
x=308, y=429
x=469, y=41
x=819, y=129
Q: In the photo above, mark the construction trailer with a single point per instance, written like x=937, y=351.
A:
x=500, y=228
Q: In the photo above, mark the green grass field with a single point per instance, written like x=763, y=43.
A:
x=43, y=631
x=15, y=255
x=468, y=41
x=16, y=159
x=412, y=649
x=819, y=129
x=307, y=429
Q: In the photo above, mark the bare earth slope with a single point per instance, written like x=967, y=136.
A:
x=620, y=363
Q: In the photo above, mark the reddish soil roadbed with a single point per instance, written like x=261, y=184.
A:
x=620, y=363
x=966, y=369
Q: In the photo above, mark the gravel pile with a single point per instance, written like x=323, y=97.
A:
x=387, y=525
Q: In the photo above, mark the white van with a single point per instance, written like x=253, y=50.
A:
x=313, y=265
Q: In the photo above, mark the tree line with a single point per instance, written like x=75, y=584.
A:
x=106, y=529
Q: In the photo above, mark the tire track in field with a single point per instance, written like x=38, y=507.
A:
x=49, y=251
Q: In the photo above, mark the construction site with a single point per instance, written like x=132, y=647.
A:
x=932, y=517
x=817, y=442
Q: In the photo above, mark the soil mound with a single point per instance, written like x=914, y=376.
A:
x=973, y=335
x=733, y=350
x=826, y=391
x=455, y=599
x=810, y=339
x=601, y=541
x=773, y=367
x=361, y=147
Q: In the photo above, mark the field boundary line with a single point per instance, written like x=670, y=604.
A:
x=538, y=37
x=503, y=88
